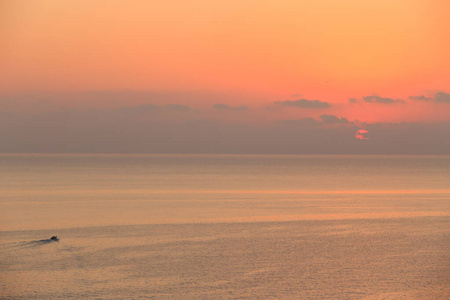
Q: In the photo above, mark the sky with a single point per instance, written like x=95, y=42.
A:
x=198, y=76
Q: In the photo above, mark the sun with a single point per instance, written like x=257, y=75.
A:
x=360, y=134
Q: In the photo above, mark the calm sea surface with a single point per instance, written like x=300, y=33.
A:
x=224, y=226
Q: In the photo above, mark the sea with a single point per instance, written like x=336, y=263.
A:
x=148, y=226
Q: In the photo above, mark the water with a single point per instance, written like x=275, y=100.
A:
x=224, y=226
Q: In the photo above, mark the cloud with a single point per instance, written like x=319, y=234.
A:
x=160, y=127
x=420, y=98
x=151, y=108
x=305, y=122
x=304, y=103
x=442, y=97
x=177, y=107
x=142, y=108
x=377, y=99
x=331, y=119
x=221, y=106
x=311, y=122
x=353, y=100
x=112, y=131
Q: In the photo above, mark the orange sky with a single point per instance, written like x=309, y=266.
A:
x=263, y=51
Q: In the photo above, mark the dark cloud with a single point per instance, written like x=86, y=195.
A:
x=110, y=131
x=142, y=108
x=156, y=127
x=177, y=107
x=420, y=98
x=442, y=97
x=304, y=103
x=305, y=122
x=310, y=122
x=353, y=100
x=221, y=106
x=377, y=99
x=151, y=108
x=331, y=119
x=112, y=99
